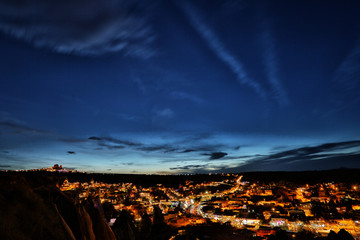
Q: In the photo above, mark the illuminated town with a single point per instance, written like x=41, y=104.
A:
x=261, y=209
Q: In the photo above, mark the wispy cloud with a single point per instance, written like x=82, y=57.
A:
x=189, y=167
x=95, y=138
x=5, y=166
x=324, y=156
x=271, y=65
x=127, y=117
x=197, y=168
x=164, y=113
x=84, y=27
x=140, y=84
x=166, y=148
x=16, y=127
x=219, y=48
x=319, y=157
x=186, y=96
x=111, y=143
x=203, y=147
x=170, y=148
x=215, y=155
x=18, y=161
x=128, y=163
x=72, y=140
x=348, y=72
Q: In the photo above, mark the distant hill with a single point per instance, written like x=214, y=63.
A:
x=303, y=177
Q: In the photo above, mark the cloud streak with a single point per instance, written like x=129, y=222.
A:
x=84, y=27
x=189, y=167
x=166, y=113
x=324, y=156
x=220, y=50
x=112, y=143
x=183, y=148
x=115, y=143
x=186, y=96
x=348, y=72
x=271, y=66
x=321, y=157
x=13, y=126
x=215, y=155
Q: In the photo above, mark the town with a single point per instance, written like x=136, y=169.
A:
x=260, y=208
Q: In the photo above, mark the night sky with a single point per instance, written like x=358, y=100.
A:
x=125, y=86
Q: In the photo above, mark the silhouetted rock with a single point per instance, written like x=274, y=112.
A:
x=100, y=227
x=124, y=227
x=158, y=217
x=344, y=235
x=26, y=215
x=341, y=235
x=109, y=211
x=332, y=235
x=86, y=225
x=32, y=207
x=145, y=226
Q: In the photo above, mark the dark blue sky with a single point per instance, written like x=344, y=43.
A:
x=179, y=86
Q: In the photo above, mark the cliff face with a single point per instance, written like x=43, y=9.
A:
x=86, y=224
x=100, y=227
x=32, y=207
